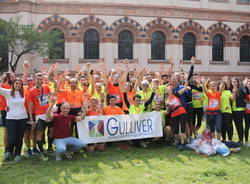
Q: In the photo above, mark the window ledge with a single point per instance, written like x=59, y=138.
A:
x=165, y=61
x=49, y=61
x=188, y=62
x=82, y=60
x=131, y=61
x=243, y=62
x=219, y=62
x=243, y=3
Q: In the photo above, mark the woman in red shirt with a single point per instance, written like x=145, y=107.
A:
x=178, y=115
x=213, y=107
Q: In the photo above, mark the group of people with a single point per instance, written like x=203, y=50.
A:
x=56, y=101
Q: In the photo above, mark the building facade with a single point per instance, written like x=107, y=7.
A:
x=146, y=32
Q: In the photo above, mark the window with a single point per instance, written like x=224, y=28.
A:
x=218, y=48
x=244, y=1
x=158, y=46
x=188, y=46
x=125, y=45
x=4, y=59
x=56, y=50
x=245, y=49
x=91, y=44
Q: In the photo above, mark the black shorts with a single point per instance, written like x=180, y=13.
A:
x=41, y=125
x=189, y=109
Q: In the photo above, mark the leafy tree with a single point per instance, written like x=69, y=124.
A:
x=21, y=39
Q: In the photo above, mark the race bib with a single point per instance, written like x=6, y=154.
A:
x=43, y=100
x=213, y=103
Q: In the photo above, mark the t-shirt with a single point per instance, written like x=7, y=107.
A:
x=116, y=91
x=62, y=125
x=73, y=97
x=3, y=104
x=40, y=99
x=26, y=90
x=16, y=107
x=197, y=99
x=145, y=96
x=205, y=100
x=176, y=106
x=159, y=96
x=92, y=113
x=213, y=101
x=136, y=109
x=108, y=110
x=225, y=102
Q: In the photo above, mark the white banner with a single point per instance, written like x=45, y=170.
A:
x=94, y=129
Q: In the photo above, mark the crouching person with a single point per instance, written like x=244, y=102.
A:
x=65, y=144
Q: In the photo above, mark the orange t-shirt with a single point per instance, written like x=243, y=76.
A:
x=92, y=113
x=108, y=110
x=3, y=104
x=130, y=96
x=175, y=103
x=26, y=90
x=74, y=97
x=213, y=101
x=116, y=91
x=40, y=99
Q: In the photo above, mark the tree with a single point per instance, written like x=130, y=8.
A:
x=27, y=39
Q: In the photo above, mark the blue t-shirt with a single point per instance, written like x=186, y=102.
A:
x=182, y=97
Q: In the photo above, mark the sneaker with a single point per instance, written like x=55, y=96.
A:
x=181, y=147
x=247, y=144
x=68, y=155
x=35, y=151
x=7, y=156
x=240, y=143
x=29, y=152
x=58, y=157
x=18, y=159
x=43, y=157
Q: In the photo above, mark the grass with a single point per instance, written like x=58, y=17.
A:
x=153, y=165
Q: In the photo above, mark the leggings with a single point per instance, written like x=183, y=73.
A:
x=238, y=121
x=226, y=126
x=247, y=122
x=178, y=121
x=197, y=114
x=16, y=129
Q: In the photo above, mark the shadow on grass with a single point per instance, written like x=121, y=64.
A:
x=95, y=164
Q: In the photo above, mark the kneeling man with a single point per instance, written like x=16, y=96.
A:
x=62, y=127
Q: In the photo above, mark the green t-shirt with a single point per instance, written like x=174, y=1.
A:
x=136, y=110
x=237, y=108
x=159, y=96
x=145, y=97
x=197, y=99
x=205, y=100
x=225, y=105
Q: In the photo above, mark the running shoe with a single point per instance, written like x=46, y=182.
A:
x=68, y=155
x=17, y=158
x=7, y=156
x=29, y=152
x=43, y=157
x=35, y=151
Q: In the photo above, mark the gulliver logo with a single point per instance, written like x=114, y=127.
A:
x=96, y=128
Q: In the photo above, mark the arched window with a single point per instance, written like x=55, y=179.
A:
x=125, y=45
x=4, y=57
x=56, y=50
x=218, y=48
x=91, y=44
x=158, y=46
x=245, y=49
x=188, y=46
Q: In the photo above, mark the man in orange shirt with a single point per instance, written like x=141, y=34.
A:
x=112, y=109
x=74, y=97
x=39, y=102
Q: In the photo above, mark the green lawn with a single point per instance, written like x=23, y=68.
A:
x=155, y=165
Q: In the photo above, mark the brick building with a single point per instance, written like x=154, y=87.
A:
x=147, y=32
